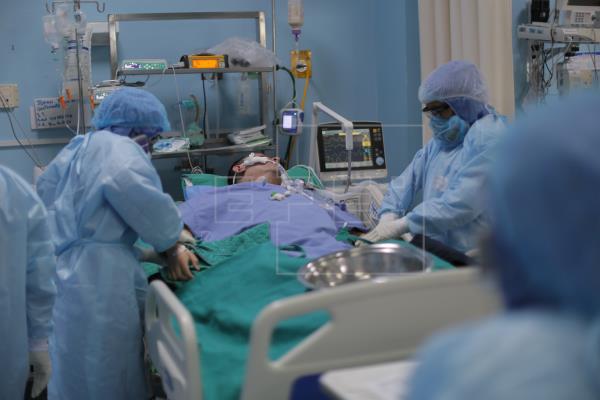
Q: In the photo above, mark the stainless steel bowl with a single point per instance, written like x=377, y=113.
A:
x=363, y=263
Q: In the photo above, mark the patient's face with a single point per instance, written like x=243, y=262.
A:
x=269, y=171
x=254, y=172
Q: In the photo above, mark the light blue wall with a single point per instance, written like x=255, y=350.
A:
x=341, y=35
x=26, y=61
x=398, y=79
x=365, y=64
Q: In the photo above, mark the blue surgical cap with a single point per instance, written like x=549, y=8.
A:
x=468, y=109
x=545, y=196
x=454, y=80
x=131, y=108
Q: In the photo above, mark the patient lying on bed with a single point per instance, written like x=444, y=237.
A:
x=256, y=167
x=261, y=193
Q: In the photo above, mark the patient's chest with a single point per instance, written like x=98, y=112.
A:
x=218, y=213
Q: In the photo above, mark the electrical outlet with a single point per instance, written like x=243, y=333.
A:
x=10, y=95
x=301, y=62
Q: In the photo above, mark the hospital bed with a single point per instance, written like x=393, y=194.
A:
x=176, y=341
x=370, y=323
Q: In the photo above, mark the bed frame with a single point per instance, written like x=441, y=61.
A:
x=370, y=323
x=173, y=348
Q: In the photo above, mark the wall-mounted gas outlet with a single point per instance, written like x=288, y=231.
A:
x=10, y=96
x=301, y=63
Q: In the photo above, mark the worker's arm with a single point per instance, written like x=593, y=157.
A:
x=463, y=200
x=41, y=270
x=134, y=190
x=401, y=190
x=177, y=258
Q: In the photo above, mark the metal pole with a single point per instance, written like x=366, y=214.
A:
x=347, y=127
x=349, y=178
x=273, y=75
x=79, y=85
x=112, y=37
x=273, y=27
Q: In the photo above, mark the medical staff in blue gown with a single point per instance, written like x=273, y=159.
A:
x=27, y=290
x=102, y=193
x=543, y=252
x=450, y=169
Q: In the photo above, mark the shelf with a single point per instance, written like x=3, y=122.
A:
x=214, y=147
x=266, y=78
x=189, y=71
x=558, y=34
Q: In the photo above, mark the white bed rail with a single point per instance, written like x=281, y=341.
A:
x=171, y=340
x=370, y=323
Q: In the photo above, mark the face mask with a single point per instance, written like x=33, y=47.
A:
x=449, y=131
x=145, y=137
x=143, y=141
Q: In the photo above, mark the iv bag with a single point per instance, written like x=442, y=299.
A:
x=51, y=34
x=295, y=14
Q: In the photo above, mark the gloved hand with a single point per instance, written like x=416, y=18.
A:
x=389, y=227
x=42, y=369
x=179, y=259
x=186, y=237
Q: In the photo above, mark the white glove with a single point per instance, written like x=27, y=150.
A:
x=389, y=227
x=186, y=237
x=179, y=259
x=42, y=369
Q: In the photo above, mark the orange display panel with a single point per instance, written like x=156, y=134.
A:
x=207, y=62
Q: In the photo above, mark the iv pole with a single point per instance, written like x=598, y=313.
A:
x=81, y=106
x=77, y=7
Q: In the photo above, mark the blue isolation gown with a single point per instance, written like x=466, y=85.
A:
x=523, y=355
x=452, y=181
x=102, y=193
x=27, y=291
